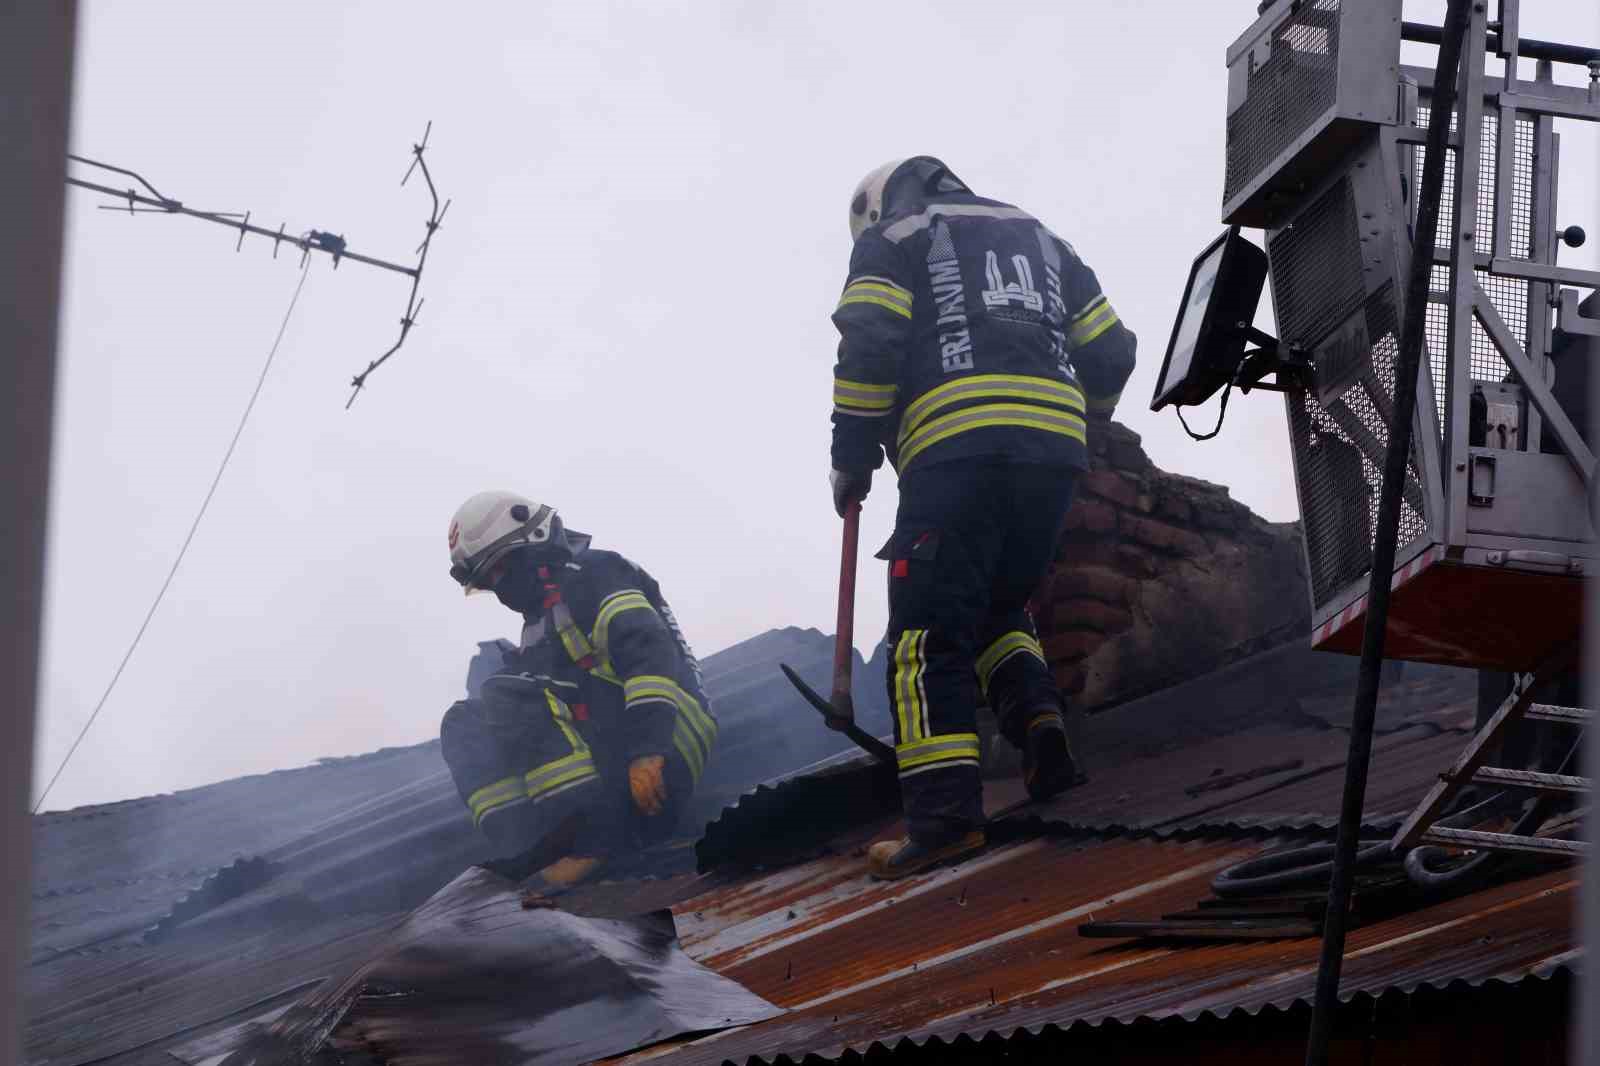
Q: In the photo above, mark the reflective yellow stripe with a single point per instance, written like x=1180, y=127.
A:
x=910, y=697
x=879, y=282
x=1101, y=404
x=1024, y=416
x=854, y=397
x=491, y=797
x=563, y=717
x=1013, y=643
x=945, y=748
x=989, y=387
x=691, y=725
x=864, y=298
x=572, y=637
x=1092, y=321
x=882, y=287
x=689, y=749
x=704, y=726
x=653, y=686
x=613, y=605
x=547, y=782
x=870, y=285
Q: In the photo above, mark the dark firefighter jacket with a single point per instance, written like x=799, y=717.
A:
x=605, y=627
x=969, y=329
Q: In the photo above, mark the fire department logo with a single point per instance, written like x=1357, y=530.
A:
x=455, y=534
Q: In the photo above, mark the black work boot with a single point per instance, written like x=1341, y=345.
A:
x=889, y=860
x=1047, y=764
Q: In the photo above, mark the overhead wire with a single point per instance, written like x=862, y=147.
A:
x=187, y=540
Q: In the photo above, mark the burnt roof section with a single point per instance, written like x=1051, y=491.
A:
x=473, y=975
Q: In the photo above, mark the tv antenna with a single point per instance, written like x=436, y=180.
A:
x=153, y=201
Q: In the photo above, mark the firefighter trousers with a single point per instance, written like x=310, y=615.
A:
x=973, y=539
x=530, y=772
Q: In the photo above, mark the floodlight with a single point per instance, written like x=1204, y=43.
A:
x=1214, y=321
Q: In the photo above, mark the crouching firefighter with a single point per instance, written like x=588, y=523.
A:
x=975, y=344
x=596, y=733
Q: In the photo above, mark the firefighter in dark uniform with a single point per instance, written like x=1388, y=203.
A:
x=975, y=345
x=598, y=729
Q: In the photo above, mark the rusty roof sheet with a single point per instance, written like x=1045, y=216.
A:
x=1258, y=746
x=991, y=947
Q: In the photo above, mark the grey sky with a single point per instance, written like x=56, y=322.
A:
x=627, y=317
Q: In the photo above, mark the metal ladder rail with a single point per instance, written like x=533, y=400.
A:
x=1420, y=826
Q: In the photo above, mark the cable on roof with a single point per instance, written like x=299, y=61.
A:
x=183, y=550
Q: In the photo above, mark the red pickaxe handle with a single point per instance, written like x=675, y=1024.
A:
x=844, y=627
x=840, y=711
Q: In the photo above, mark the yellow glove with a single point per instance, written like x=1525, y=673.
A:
x=647, y=780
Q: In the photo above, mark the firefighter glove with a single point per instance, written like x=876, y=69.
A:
x=647, y=781
x=849, y=487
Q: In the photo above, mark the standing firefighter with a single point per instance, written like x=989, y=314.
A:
x=975, y=343
x=596, y=733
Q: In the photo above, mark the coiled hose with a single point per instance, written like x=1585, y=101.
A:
x=1430, y=868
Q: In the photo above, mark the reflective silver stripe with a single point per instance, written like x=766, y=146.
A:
x=560, y=790
x=993, y=414
x=994, y=386
x=904, y=228
x=945, y=750
x=891, y=292
x=1003, y=651
x=914, y=771
x=559, y=772
x=869, y=396
x=1093, y=321
x=504, y=805
x=875, y=279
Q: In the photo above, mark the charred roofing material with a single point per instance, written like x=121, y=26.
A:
x=474, y=976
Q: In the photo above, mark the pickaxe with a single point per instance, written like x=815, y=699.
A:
x=839, y=712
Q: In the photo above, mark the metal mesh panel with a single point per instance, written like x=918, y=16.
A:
x=1436, y=329
x=1509, y=295
x=1286, y=94
x=1339, y=454
x=1521, y=232
x=1316, y=267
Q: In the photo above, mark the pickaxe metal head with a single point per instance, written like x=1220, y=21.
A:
x=841, y=718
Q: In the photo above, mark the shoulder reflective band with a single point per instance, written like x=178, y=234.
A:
x=868, y=289
x=610, y=607
x=905, y=227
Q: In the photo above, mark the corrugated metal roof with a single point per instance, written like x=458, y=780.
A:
x=991, y=947
x=1182, y=784
x=361, y=839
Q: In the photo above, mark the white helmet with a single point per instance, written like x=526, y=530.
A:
x=866, y=203
x=895, y=185
x=491, y=524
